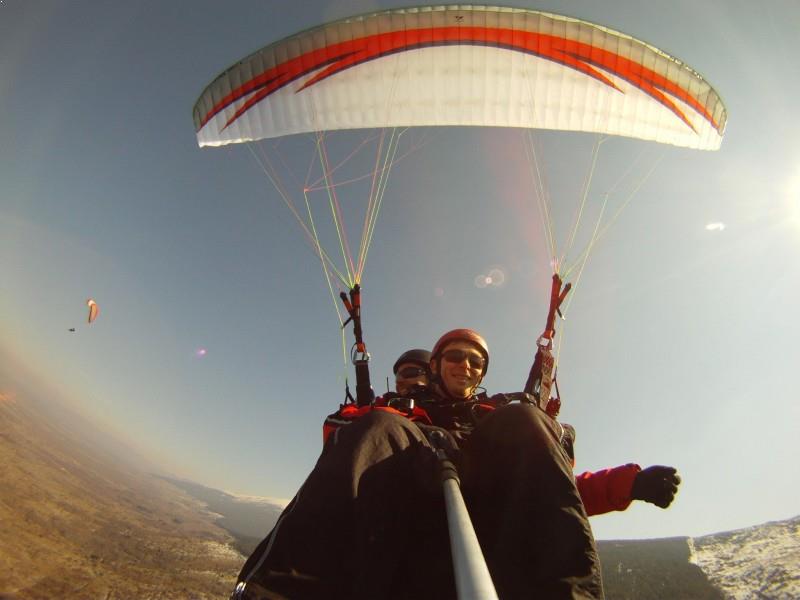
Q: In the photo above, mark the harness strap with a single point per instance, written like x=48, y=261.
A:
x=541, y=378
x=364, y=393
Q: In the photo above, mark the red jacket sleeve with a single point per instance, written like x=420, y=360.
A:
x=607, y=490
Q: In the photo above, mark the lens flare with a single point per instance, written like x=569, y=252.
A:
x=715, y=227
x=496, y=277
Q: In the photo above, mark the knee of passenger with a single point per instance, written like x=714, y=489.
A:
x=526, y=420
x=387, y=423
x=384, y=418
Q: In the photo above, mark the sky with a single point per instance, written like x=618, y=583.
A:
x=218, y=352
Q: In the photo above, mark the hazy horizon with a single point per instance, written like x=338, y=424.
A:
x=116, y=445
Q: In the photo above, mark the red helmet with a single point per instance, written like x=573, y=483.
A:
x=463, y=335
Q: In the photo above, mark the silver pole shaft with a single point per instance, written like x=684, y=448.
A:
x=473, y=581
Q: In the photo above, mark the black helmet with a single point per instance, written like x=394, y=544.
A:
x=416, y=356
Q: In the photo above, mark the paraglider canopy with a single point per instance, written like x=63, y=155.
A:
x=457, y=65
x=93, y=310
x=461, y=65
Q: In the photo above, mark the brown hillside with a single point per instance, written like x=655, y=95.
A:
x=75, y=524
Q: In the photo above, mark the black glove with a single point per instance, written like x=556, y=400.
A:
x=656, y=485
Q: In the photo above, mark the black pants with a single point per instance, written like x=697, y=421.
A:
x=369, y=522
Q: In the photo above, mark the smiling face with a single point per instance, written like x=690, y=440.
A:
x=461, y=365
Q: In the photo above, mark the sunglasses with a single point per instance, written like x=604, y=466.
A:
x=457, y=356
x=410, y=372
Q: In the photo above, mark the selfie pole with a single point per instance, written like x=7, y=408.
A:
x=473, y=581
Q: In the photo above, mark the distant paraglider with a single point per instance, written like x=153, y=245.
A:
x=94, y=310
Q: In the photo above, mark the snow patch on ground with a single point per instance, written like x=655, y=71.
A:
x=761, y=562
x=221, y=551
x=265, y=500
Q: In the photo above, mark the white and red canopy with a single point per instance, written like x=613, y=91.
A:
x=461, y=65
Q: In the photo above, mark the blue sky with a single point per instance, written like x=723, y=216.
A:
x=680, y=342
